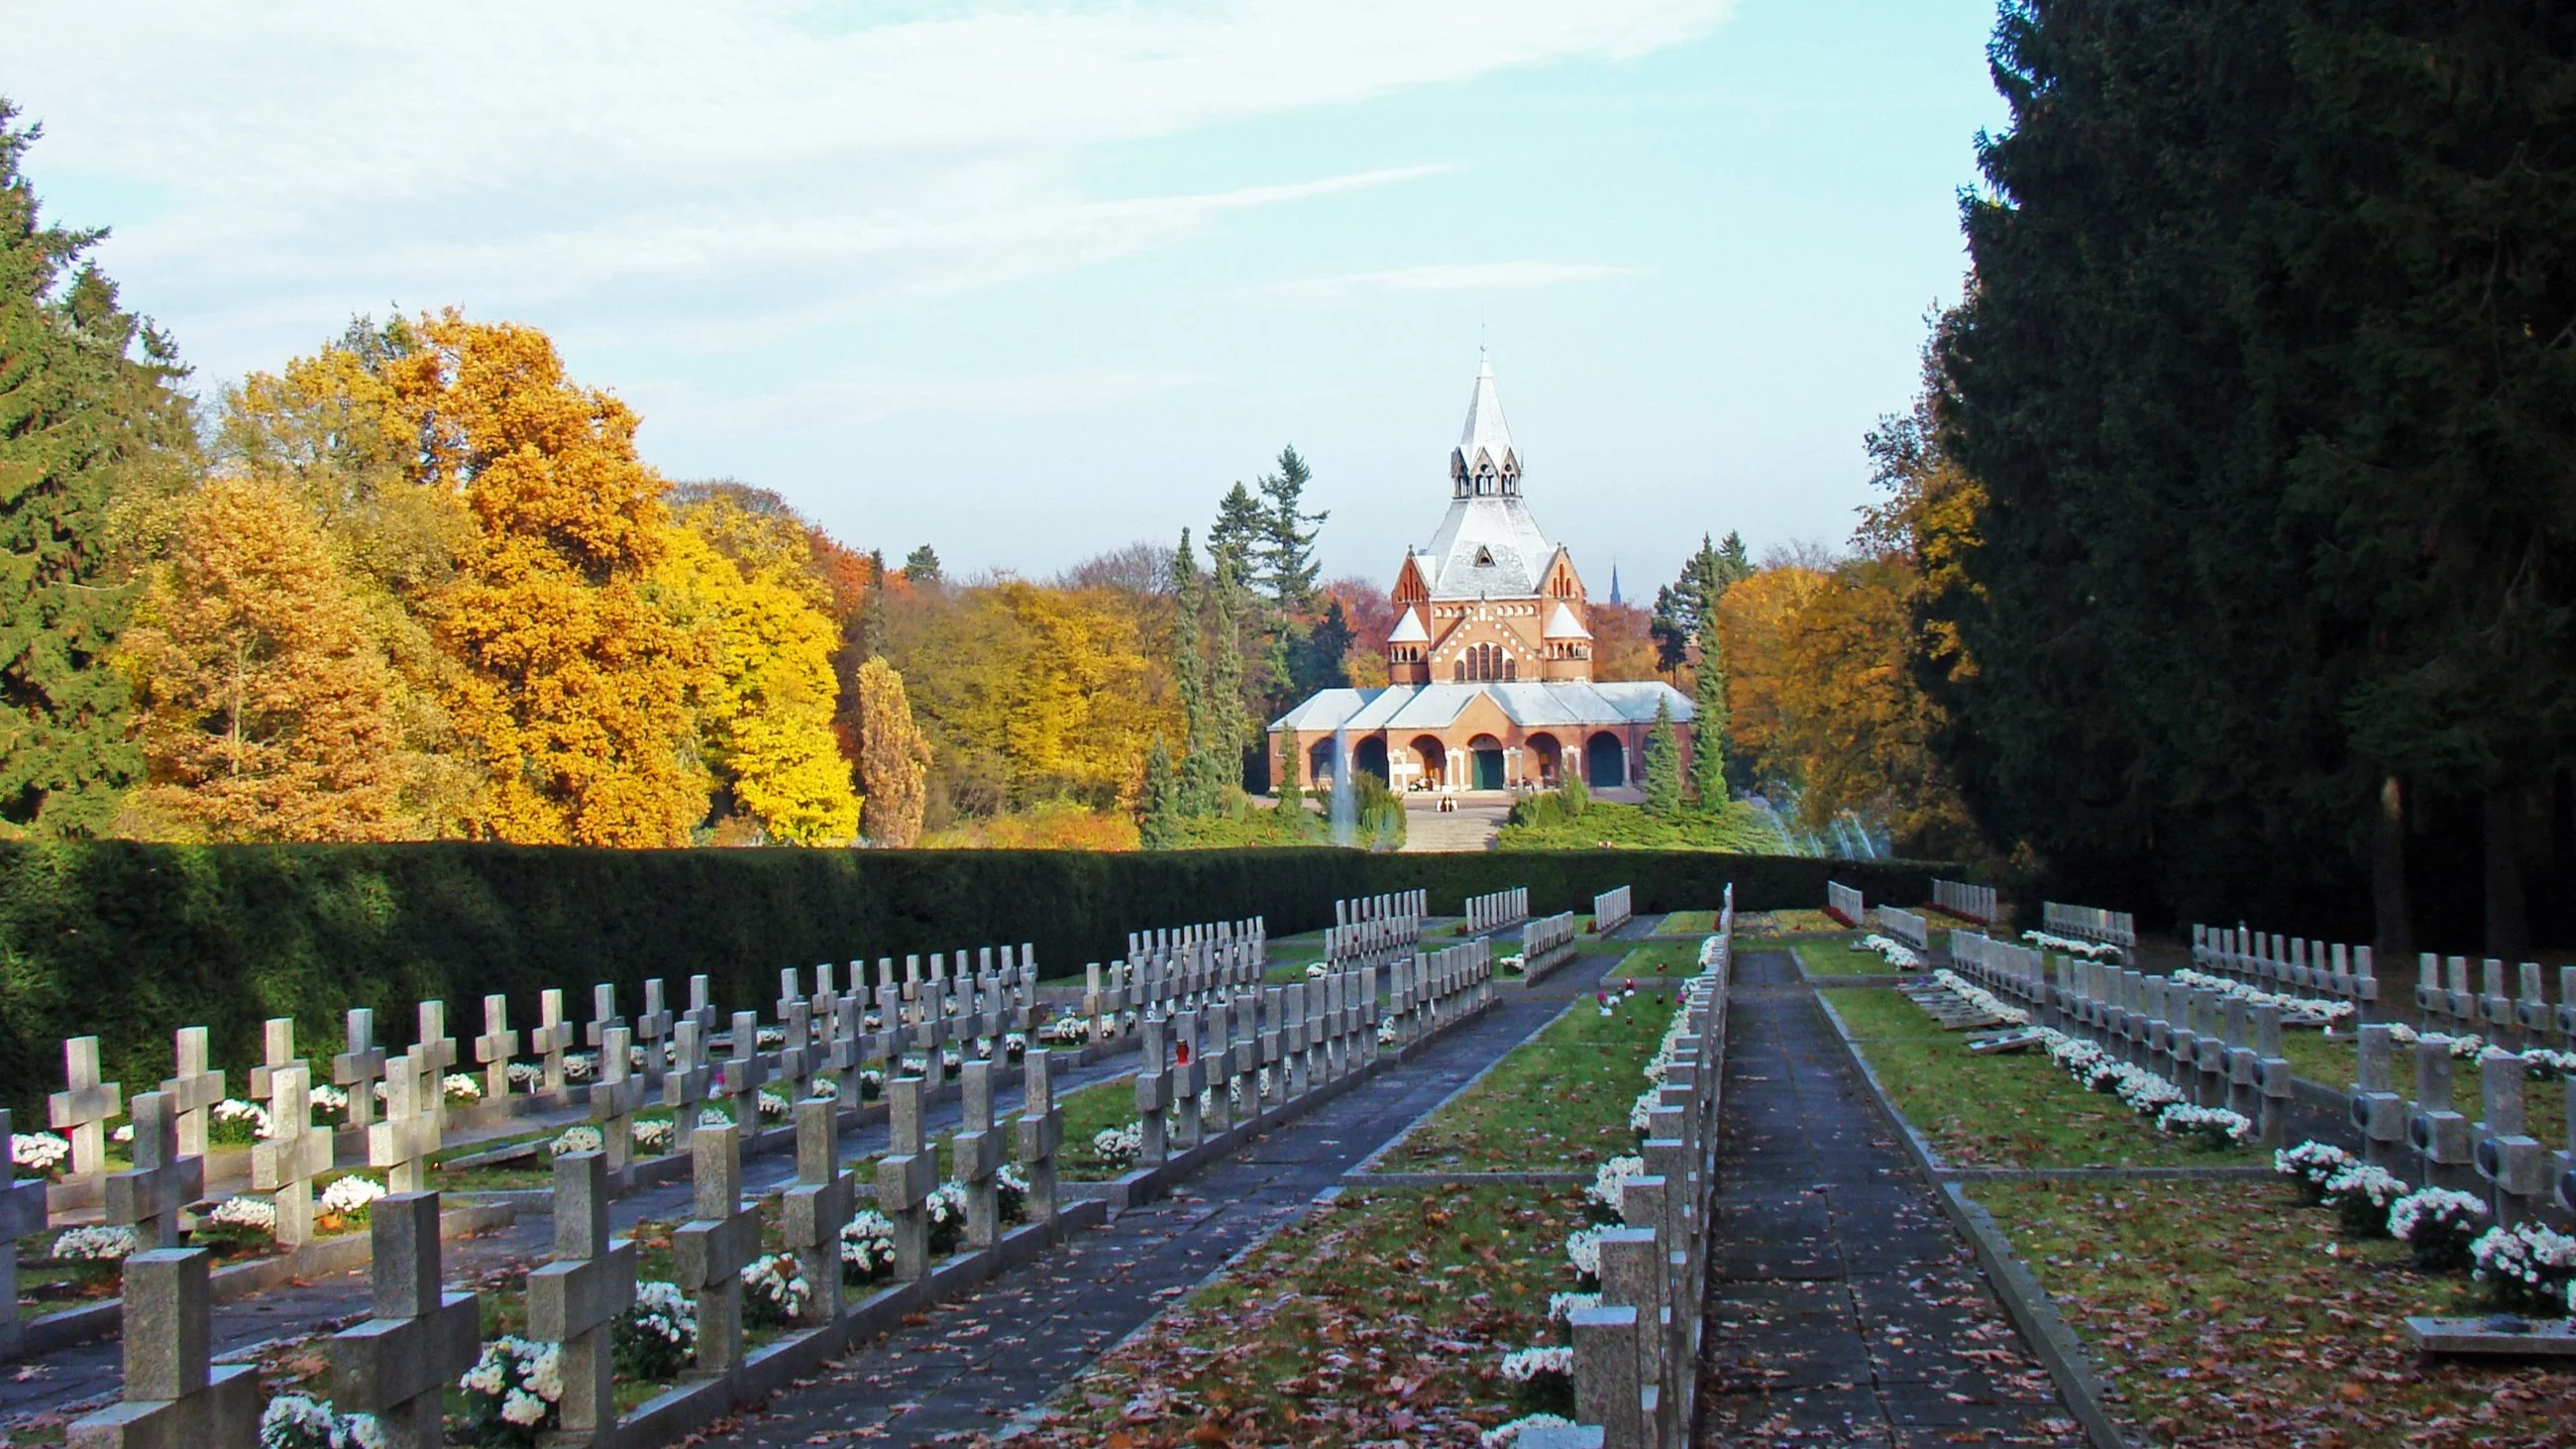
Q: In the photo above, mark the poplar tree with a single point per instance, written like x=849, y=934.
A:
x=1708, y=718
x=88, y=403
x=1158, y=812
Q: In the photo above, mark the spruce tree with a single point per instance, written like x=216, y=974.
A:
x=921, y=566
x=1189, y=677
x=1239, y=531
x=872, y=610
x=1292, y=794
x=1216, y=766
x=87, y=402
x=1683, y=604
x=1708, y=719
x=1663, y=765
x=1158, y=812
x=1287, y=550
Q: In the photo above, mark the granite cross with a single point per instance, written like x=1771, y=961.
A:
x=652, y=1025
x=684, y=1086
x=358, y=1069
x=744, y=1071
x=172, y=1395
x=436, y=1053
x=277, y=1049
x=614, y=1098
x=84, y=1108
x=812, y=1211
x=148, y=1197
x=22, y=1212
x=906, y=1176
x=398, y=1363
x=1154, y=1093
x=710, y=1251
x=976, y=1154
x=496, y=1046
x=1041, y=1131
x=284, y=1163
x=574, y=1302
x=551, y=1039
x=403, y=1142
x=194, y=1091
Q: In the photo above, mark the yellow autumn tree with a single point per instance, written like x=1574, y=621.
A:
x=765, y=708
x=1754, y=618
x=894, y=760
x=576, y=689
x=265, y=710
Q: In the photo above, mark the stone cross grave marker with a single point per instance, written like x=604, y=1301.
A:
x=1154, y=1093
x=1218, y=1064
x=148, y=1197
x=284, y=1163
x=551, y=1039
x=812, y=1212
x=906, y=1176
x=1189, y=1077
x=1041, y=1131
x=574, y=1301
x=2377, y=1110
x=603, y=1015
x=711, y=1249
x=397, y=1363
x=84, y=1107
x=652, y=1025
x=744, y=1071
x=684, y=1086
x=173, y=1398
x=2507, y=1157
x=614, y=1097
x=2440, y=1135
x=496, y=1046
x=976, y=1150
x=403, y=1143
x=357, y=1070
x=702, y=1009
x=277, y=1050
x=22, y=1211
x=194, y=1091
x=436, y=1051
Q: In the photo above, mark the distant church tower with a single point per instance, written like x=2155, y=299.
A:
x=1615, y=600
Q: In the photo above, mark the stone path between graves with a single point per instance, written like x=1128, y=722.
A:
x=1843, y=1308
x=89, y=1373
x=997, y=1355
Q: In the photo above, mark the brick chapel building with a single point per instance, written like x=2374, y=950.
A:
x=1489, y=662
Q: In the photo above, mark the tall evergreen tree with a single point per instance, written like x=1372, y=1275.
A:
x=1683, y=603
x=1216, y=767
x=1708, y=718
x=88, y=402
x=1158, y=807
x=921, y=566
x=1190, y=681
x=1240, y=530
x=1663, y=765
x=1287, y=550
x=872, y=609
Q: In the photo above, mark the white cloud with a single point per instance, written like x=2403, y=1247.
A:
x=316, y=155
x=1449, y=277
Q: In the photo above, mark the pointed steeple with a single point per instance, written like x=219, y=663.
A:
x=1483, y=463
x=1614, y=581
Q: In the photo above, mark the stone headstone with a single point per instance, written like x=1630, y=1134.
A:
x=1041, y=1131
x=496, y=1046
x=148, y=1197
x=85, y=1105
x=710, y=1251
x=196, y=1089
x=551, y=1039
x=575, y=1300
x=404, y=1142
x=357, y=1070
x=976, y=1150
x=421, y=1337
x=813, y=1210
x=684, y=1086
x=22, y=1212
x=284, y=1163
x=615, y=1096
x=173, y=1397
x=906, y=1176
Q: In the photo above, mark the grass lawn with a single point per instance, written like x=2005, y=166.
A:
x=1841, y=956
x=2229, y=1313
x=1381, y=1319
x=2010, y=1111
x=1769, y=925
x=1687, y=923
x=1558, y=1102
x=1874, y=1012
x=1087, y=1113
x=1656, y=959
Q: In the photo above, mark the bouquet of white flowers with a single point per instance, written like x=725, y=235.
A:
x=1542, y=1378
x=1508, y=1435
x=514, y=1392
x=1011, y=1194
x=349, y=1198
x=580, y=1137
x=2440, y=1225
x=947, y=1219
x=1609, y=1184
x=656, y=1338
x=774, y=1291
x=2313, y=1164
x=2527, y=1268
x=292, y=1421
x=1583, y=1251
x=867, y=1248
x=236, y=1123
x=652, y=1134
x=41, y=1153
x=96, y=1254
x=1119, y=1147
x=460, y=1089
x=2361, y=1195
x=2215, y=1126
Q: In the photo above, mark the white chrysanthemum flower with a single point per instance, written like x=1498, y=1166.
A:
x=350, y=1193
x=581, y=1137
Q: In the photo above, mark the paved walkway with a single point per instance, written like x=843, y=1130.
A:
x=994, y=1358
x=1844, y=1309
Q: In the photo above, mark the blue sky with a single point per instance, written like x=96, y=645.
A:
x=1029, y=283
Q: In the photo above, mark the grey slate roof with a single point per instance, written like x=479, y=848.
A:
x=1537, y=705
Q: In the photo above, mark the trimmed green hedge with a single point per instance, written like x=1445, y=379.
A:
x=129, y=942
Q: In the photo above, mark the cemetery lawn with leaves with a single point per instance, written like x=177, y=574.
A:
x=2232, y=1313
x=1558, y=1102
x=1773, y=925
x=1687, y=923
x=2335, y=1062
x=1840, y=957
x=1655, y=960
x=2012, y=1110
x=1087, y=1113
x=1382, y=1318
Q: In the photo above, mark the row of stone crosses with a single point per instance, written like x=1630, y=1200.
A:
x=1273, y=1045
x=2224, y=1049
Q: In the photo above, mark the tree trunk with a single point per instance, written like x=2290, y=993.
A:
x=2393, y=934
x=2508, y=918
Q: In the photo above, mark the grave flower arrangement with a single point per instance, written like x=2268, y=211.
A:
x=652, y=1134
x=1609, y=1185
x=657, y=1337
x=2312, y=1165
x=1508, y=1436
x=2439, y=1225
x=525, y=1076
x=580, y=1066
x=1119, y=1147
x=1011, y=1194
x=947, y=1209
x=1561, y=1306
x=41, y=1153
x=249, y=1222
x=2216, y=1127
x=1065, y=1031
x=2541, y=1064
x=293, y=1421
x=1980, y=998
x=1897, y=953
x=514, y=1392
x=2527, y=1268
x=1583, y=1251
x=2463, y=1048
x=460, y=1090
x=2069, y=946
x=871, y=1084
x=580, y=1137
x=714, y=1117
x=774, y=1291
x=96, y=1254
x=1386, y=1031
x=1015, y=1045
x=236, y=1123
x=2295, y=1010
x=327, y=1098
x=2361, y=1195
x=347, y=1201
x=1542, y=1378
x=773, y=1107
x=867, y=1248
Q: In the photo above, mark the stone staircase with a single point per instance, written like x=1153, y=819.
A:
x=1469, y=827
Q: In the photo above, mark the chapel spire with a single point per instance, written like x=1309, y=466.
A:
x=1483, y=464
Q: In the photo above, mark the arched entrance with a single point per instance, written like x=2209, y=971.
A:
x=1319, y=764
x=1488, y=755
x=1368, y=757
x=1434, y=757
x=1550, y=757
x=1605, y=761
